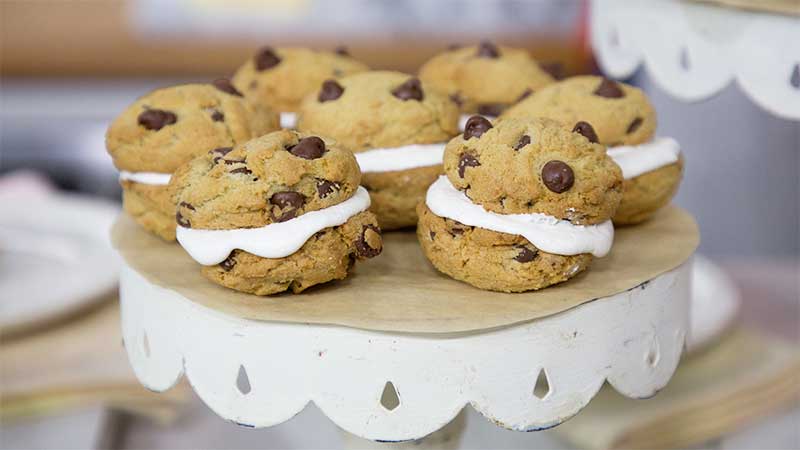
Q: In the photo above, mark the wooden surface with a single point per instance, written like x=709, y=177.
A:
x=407, y=294
x=98, y=38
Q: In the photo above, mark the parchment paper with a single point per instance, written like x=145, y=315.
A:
x=400, y=291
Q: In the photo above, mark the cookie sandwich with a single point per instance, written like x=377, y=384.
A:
x=485, y=78
x=282, y=77
x=396, y=126
x=168, y=127
x=524, y=204
x=620, y=117
x=280, y=212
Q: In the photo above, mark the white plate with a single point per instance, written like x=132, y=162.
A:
x=55, y=257
x=714, y=306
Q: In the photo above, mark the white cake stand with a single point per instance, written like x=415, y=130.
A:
x=390, y=386
x=693, y=51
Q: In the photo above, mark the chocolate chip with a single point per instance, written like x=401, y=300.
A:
x=456, y=98
x=218, y=153
x=224, y=85
x=555, y=69
x=342, y=51
x=488, y=50
x=586, y=130
x=491, y=109
x=433, y=234
x=331, y=90
x=217, y=116
x=525, y=254
x=266, y=58
x=467, y=160
x=234, y=161
x=156, y=119
x=458, y=229
x=558, y=176
x=244, y=170
x=410, y=90
x=609, y=89
x=310, y=147
x=228, y=264
x=326, y=188
x=476, y=126
x=186, y=205
x=369, y=242
x=525, y=94
x=523, y=141
x=635, y=124
x=182, y=221
x=287, y=200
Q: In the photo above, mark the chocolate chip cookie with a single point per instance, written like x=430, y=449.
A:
x=524, y=204
x=282, y=211
x=518, y=166
x=397, y=127
x=616, y=115
x=169, y=127
x=282, y=77
x=485, y=78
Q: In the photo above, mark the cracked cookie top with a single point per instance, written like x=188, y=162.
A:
x=282, y=77
x=379, y=109
x=619, y=113
x=272, y=178
x=485, y=78
x=170, y=126
x=521, y=166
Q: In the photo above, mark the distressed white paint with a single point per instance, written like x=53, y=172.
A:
x=344, y=370
x=694, y=51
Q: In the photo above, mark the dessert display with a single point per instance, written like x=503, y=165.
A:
x=282, y=211
x=271, y=223
x=168, y=127
x=485, y=79
x=524, y=204
x=397, y=127
x=282, y=77
x=618, y=116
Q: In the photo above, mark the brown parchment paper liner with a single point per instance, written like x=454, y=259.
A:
x=400, y=291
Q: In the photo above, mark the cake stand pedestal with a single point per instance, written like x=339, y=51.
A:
x=387, y=363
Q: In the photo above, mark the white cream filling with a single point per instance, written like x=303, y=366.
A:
x=276, y=240
x=153, y=178
x=635, y=160
x=547, y=233
x=400, y=158
x=288, y=120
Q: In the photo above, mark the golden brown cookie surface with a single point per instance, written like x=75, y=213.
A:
x=485, y=78
x=379, y=109
x=619, y=114
x=520, y=166
x=151, y=207
x=490, y=260
x=273, y=178
x=647, y=193
x=282, y=77
x=384, y=110
x=168, y=127
x=395, y=195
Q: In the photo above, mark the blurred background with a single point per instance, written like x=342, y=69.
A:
x=68, y=67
